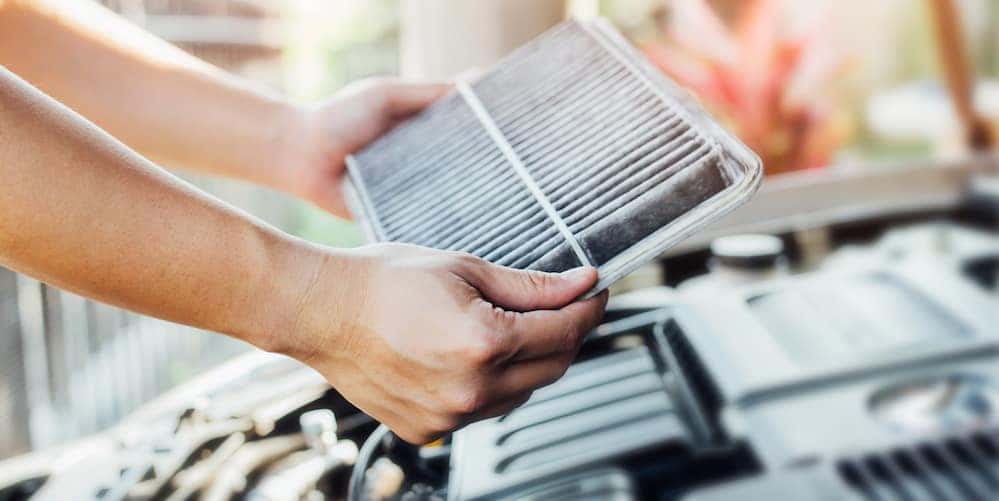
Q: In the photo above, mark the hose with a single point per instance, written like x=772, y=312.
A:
x=355, y=489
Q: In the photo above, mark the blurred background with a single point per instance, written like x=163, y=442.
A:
x=825, y=84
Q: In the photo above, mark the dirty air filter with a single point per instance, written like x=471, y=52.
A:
x=572, y=151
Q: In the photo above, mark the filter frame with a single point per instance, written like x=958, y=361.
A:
x=742, y=168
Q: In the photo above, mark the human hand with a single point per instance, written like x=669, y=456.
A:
x=315, y=163
x=427, y=341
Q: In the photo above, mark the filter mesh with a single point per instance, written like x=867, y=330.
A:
x=456, y=192
x=589, y=119
x=569, y=152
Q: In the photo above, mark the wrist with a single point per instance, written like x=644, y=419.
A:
x=316, y=294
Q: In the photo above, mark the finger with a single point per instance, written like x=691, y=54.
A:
x=523, y=377
x=406, y=98
x=520, y=290
x=501, y=408
x=542, y=333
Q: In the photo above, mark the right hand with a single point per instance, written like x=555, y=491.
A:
x=427, y=341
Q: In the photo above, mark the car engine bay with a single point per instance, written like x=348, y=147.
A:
x=853, y=357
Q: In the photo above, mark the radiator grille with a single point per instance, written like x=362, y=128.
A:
x=957, y=469
x=572, y=151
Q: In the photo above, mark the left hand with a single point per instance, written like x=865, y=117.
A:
x=342, y=125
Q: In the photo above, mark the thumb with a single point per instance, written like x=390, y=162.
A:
x=520, y=290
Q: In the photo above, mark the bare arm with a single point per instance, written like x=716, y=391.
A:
x=147, y=93
x=425, y=341
x=83, y=212
x=185, y=113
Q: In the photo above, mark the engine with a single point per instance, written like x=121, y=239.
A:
x=765, y=370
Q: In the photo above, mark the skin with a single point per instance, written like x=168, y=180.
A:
x=425, y=341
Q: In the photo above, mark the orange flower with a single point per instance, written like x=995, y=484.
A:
x=771, y=88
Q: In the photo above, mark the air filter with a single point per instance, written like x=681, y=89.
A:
x=572, y=151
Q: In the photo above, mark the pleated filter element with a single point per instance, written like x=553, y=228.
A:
x=572, y=151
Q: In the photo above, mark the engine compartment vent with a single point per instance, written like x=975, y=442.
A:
x=603, y=484
x=572, y=151
x=610, y=403
x=622, y=403
x=959, y=468
x=692, y=385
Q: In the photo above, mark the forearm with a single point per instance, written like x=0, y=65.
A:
x=164, y=103
x=83, y=212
